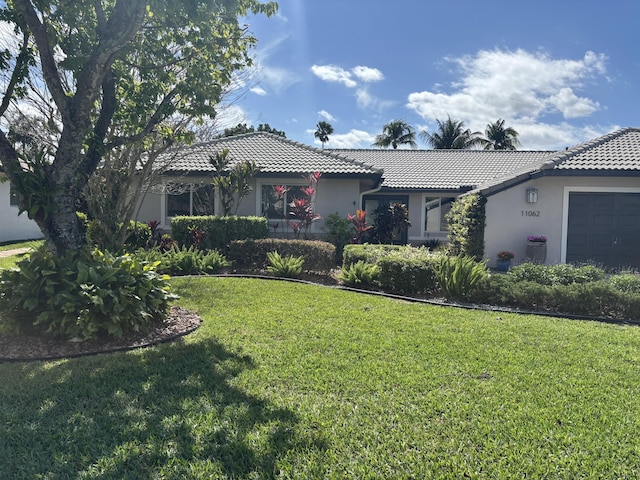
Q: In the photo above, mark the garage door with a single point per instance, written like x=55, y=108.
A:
x=605, y=228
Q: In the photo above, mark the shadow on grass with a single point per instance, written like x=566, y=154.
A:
x=171, y=411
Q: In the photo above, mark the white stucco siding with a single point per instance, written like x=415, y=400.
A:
x=150, y=208
x=510, y=219
x=14, y=226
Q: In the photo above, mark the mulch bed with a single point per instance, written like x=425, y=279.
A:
x=23, y=347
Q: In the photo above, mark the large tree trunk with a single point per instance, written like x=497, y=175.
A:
x=62, y=229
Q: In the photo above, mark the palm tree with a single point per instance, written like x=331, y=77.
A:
x=451, y=134
x=394, y=133
x=500, y=138
x=324, y=129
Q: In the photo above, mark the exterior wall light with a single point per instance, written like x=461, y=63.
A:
x=532, y=195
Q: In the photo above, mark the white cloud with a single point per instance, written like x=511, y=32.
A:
x=258, y=91
x=523, y=88
x=331, y=73
x=368, y=74
x=351, y=139
x=547, y=136
x=327, y=116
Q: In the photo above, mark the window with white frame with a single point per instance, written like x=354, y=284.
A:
x=275, y=200
x=435, y=210
x=190, y=199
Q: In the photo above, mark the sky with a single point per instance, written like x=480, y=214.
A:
x=560, y=72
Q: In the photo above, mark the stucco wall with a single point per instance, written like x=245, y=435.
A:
x=14, y=226
x=510, y=219
x=333, y=195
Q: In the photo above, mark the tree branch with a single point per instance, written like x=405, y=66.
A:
x=49, y=67
x=18, y=73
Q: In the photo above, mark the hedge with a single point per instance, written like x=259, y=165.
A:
x=319, y=256
x=403, y=269
x=219, y=231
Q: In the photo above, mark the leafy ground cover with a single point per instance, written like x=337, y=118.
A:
x=299, y=381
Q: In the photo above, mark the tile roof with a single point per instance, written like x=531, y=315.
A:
x=273, y=155
x=444, y=169
x=619, y=151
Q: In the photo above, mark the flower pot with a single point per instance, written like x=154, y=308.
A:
x=537, y=252
x=503, y=265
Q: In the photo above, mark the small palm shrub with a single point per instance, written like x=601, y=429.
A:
x=184, y=261
x=289, y=266
x=359, y=274
x=458, y=276
x=84, y=294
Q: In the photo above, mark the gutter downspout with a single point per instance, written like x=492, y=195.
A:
x=369, y=192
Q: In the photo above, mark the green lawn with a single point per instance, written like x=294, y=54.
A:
x=297, y=381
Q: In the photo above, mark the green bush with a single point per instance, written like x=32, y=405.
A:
x=288, y=266
x=368, y=252
x=219, y=232
x=359, y=274
x=319, y=256
x=184, y=261
x=138, y=235
x=466, y=221
x=560, y=274
x=409, y=270
x=458, y=276
x=626, y=282
x=340, y=232
x=83, y=294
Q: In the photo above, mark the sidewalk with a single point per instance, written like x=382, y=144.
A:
x=15, y=251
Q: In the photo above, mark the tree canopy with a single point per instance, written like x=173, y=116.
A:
x=394, y=133
x=500, y=138
x=242, y=128
x=452, y=134
x=323, y=130
x=111, y=72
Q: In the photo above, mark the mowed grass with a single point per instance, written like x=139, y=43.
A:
x=289, y=380
x=11, y=260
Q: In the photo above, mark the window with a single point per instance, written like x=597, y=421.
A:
x=188, y=199
x=435, y=210
x=275, y=206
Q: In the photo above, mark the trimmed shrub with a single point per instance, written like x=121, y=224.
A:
x=218, y=232
x=560, y=274
x=288, y=266
x=626, y=282
x=413, y=273
x=359, y=274
x=466, y=221
x=340, y=232
x=368, y=253
x=319, y=256
x=83, y=294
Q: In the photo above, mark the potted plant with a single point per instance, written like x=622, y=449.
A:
x=536, y=249
x=504, y=260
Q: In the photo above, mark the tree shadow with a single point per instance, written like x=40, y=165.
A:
x=172, y=411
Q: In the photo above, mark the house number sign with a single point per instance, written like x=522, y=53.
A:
x=530, y=213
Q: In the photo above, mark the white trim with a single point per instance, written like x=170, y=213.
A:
x=565, y=209
x=439, y=234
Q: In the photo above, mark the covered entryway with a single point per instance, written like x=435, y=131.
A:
x=604, y=227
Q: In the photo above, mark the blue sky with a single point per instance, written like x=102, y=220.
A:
x=559, y=71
